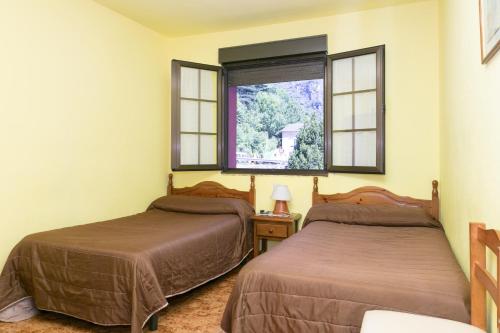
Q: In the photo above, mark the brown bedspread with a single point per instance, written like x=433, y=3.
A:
x=325, y=277
x=120, y=272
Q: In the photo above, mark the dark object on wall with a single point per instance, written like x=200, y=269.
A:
x=280, y=48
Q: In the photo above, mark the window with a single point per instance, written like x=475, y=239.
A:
x=275, y=115
x=280, y=107
x=196, y=117
x=357, y=111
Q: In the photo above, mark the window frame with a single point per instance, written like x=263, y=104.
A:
x=176, y=116
x=222, y=117
x=379, y=168
x=265, y=62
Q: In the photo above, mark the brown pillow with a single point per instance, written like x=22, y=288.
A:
x=375, y=215
x=202, y=205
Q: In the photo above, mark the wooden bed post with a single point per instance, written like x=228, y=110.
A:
x=496, y=298
x=251, y=193
x=170, y=183
x=153, y=322
x=315, y=190
x=477, y=289
x=435, y=200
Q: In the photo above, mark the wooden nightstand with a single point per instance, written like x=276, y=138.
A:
x=276, y=228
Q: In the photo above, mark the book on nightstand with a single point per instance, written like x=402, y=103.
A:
x=269, y=213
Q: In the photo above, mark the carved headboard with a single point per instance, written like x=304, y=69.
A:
x=213, y=190
x=370, y=195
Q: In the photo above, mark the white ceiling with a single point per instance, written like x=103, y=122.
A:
x=186, y=17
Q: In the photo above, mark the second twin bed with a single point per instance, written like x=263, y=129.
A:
x=364, y=250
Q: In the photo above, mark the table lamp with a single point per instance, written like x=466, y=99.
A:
x=281, y=194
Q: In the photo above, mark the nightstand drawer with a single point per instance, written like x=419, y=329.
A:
x=271, y=230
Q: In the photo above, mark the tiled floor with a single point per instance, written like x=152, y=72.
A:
x=198, y=311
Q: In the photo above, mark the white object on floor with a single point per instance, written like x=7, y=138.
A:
x=379, y=321
x=22, y=310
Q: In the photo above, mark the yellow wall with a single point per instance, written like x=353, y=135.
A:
x=83, y=116
x=410, y=33
x=470, y=135
x=85, y=127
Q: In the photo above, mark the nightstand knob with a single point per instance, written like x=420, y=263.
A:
x=271, y=231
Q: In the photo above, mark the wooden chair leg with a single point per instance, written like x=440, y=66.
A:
x=153, y=322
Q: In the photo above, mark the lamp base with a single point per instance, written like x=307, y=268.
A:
x=280, y=207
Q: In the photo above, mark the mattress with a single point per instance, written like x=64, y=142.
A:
x=324, y=278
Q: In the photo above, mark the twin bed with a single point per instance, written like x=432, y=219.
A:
x=358, y=251
x=121, y=272
x=363, y=250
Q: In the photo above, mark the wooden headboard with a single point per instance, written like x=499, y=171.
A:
x=213, y=190
x=370, y=195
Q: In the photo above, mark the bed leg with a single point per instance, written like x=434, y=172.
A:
x=153, y=322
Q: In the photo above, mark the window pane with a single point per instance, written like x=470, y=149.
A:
x=365, y=72
x=189, y=82
x=208, y=117
x=342, y=75
x=208, y=85
x=365, y=110
x=365, y=149
x=208, y=149
x=189, y=116
x=342, y=112
x=276, y=126
x=342, y=149
x=189, y=149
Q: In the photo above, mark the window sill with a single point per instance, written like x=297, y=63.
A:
x=286, y=172
x=359, y=170
x=196, y=168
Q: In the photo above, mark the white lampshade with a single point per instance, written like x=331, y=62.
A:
x=281, y=192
